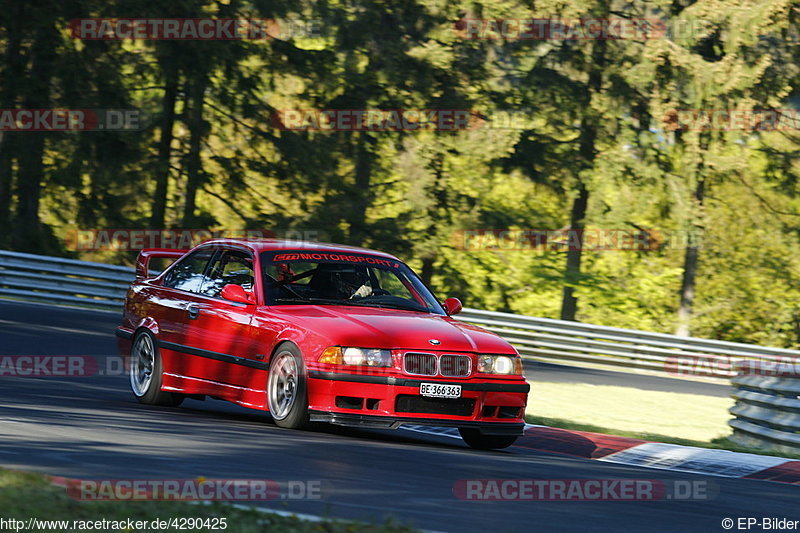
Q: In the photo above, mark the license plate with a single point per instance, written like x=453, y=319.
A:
x=438, y=390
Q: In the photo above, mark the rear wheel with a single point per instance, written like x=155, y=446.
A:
x=287, y=393
x=145, y=372
x=479, y=441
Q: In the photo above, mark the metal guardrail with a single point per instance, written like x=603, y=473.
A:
x=767, y=408
x=575, y=342
x=63, y=281
x=68, y=281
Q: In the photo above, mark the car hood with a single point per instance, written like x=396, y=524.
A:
x=389, y=328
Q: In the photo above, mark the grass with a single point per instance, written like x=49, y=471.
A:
x=671, y=417
x=25, y=495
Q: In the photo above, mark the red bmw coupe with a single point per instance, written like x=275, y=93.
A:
x=316, y=332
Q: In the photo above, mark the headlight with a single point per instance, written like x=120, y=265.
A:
x=500, y=364
x=356, y=356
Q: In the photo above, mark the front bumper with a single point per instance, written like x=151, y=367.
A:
x=494, y=407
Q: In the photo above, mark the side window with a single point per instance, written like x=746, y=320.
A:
x=229, y=268
x=187, y=274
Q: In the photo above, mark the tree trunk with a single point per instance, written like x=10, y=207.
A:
x=28, y=235
x=13, y=70
x=690, y=262
x=569, y=302
x=193, y=163
x=6, y=182
x=439, y=205
x=5, y=175
x=361, y=196
x=157, y=218
x=586, y=150
x=427, y=270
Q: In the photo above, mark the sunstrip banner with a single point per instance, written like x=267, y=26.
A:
x=335, y=257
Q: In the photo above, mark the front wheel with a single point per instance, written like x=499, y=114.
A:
x=287, y=392
x=145, y=372
x=479, y=441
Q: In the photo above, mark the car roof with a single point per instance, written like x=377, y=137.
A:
x=267, y=245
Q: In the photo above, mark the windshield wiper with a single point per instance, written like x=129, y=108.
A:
x=311, y=300
x=331, y=301
x=385, y=305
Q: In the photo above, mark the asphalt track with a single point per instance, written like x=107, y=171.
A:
x=92, y=428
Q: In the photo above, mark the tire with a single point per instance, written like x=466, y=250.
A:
x=145, y=372
x=477, y=440
x=287, y=388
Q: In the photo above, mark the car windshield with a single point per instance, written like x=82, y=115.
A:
x=302, y=277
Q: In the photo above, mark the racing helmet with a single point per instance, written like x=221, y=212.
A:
x=348, y=279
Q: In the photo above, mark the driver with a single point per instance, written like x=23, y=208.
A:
x=353, y=283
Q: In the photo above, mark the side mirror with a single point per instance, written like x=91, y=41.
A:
x=236, y=293
x=453, y=306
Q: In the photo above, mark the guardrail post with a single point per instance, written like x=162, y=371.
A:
x=767, y=409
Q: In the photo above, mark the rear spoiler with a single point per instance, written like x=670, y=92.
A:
x=143, y=261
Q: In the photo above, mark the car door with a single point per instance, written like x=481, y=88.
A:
x=171, y=304
x=221, y=333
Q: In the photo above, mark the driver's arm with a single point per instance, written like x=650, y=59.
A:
x=363, y=291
